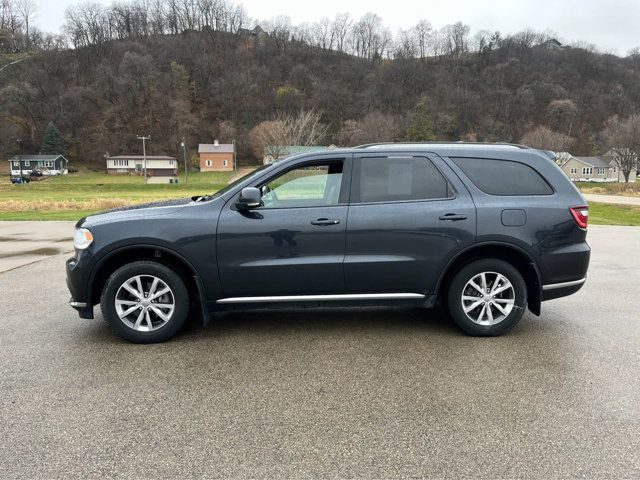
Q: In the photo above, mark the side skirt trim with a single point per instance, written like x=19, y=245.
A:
x=553, y=286
x=323, y=298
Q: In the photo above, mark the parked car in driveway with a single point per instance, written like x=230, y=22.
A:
x=486, y=230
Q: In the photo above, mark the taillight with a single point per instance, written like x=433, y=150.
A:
x=580, y=215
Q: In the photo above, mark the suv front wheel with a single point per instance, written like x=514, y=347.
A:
x=145, y=302
x=487, y=297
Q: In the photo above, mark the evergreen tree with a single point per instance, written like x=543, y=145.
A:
x=421, y=127
x=52, y=141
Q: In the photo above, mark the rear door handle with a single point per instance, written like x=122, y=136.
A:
x=323, y=222
x=452, y=217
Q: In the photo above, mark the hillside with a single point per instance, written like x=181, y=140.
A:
x=213, y=84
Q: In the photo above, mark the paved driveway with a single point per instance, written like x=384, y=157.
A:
x=22, y=243
x=338, y=393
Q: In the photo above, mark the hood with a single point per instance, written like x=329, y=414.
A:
x=161, y=207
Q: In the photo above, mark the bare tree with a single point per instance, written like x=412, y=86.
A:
x=622, y=137
x=562, y=113
x=27, y=10
x=340, y=30
x=271, y=137
x=423, y=36
x=546, y=139
x=373, y=127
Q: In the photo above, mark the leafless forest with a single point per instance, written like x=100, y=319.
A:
x=199, y=70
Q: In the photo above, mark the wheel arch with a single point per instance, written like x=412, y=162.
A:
x=513, y=254
x=163, y=255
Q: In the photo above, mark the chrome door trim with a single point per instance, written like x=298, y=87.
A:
x=313, y=298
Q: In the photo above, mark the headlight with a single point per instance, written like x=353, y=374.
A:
x=82, y=238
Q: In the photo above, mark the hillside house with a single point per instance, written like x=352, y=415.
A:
x=157, y=165
x=47, y=164
x=594, y=169
x=217, y=157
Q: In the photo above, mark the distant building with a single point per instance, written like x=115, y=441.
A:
x=255, y=35
x=157, y=165
x=47, y=164
x=217, y=157
x=594, y=169
x=551, y=44
x=273, y=153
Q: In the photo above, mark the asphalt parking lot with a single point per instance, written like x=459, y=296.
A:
x=334, y=393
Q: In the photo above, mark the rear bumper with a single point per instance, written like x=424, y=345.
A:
x=557, y=290
x=563, y=270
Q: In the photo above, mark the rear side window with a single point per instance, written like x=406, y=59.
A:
x=389, y=179
x=503, y=177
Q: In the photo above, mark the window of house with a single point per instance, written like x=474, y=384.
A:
x=587, y=170
x=16, y=164
x=27, y=163
x=306, y=186
x=391, y=179
x=208, y=163
x=503, y=177
x=574, y=170
x=224, y=163
x=48, y=163
x=601, y=171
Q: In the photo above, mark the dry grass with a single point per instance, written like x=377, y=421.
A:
x=626, y=189
x=12, y=206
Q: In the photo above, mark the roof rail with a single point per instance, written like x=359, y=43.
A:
x=445, y=144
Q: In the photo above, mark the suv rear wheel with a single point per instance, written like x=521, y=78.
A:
x=487, y=297
x=145, y=302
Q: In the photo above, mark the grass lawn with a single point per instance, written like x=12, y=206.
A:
x=71, y=197
x=612, y=214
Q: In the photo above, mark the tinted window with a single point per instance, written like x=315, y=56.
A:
x=310, y=185
x=401, y=178
x=503, y=177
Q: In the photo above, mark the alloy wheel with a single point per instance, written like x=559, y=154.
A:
x=488, y=298
x=145, y=303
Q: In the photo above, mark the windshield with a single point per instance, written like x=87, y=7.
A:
x=240, y=180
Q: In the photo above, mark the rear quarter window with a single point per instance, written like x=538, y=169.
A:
x=503, y=177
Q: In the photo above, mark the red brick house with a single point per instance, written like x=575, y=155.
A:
x=217, y=157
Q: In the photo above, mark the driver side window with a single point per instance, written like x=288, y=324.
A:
x=306, y=186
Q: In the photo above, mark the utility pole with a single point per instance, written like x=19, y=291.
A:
x=184, y=153
x=20, y=158
x=144, y=154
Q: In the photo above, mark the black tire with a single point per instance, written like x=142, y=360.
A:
x=179, y=295
x=457, y=286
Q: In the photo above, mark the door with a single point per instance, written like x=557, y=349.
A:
x=409, y=215
x=294, y=243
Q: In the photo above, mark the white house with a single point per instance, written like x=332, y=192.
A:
x=156, y=165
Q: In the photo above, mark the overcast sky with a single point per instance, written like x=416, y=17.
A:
x=612, y=25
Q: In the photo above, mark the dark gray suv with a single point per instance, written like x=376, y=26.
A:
x=486, y=230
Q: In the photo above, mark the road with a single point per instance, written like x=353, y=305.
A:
x=22, y=243
x=334, y=393
x=619, y=199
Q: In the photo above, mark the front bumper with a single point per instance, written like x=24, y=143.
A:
x=78, y=269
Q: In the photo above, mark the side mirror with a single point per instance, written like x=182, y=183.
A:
x=250, y=197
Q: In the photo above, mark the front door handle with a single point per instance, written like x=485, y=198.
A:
x=323, y=222
x=452, y=217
